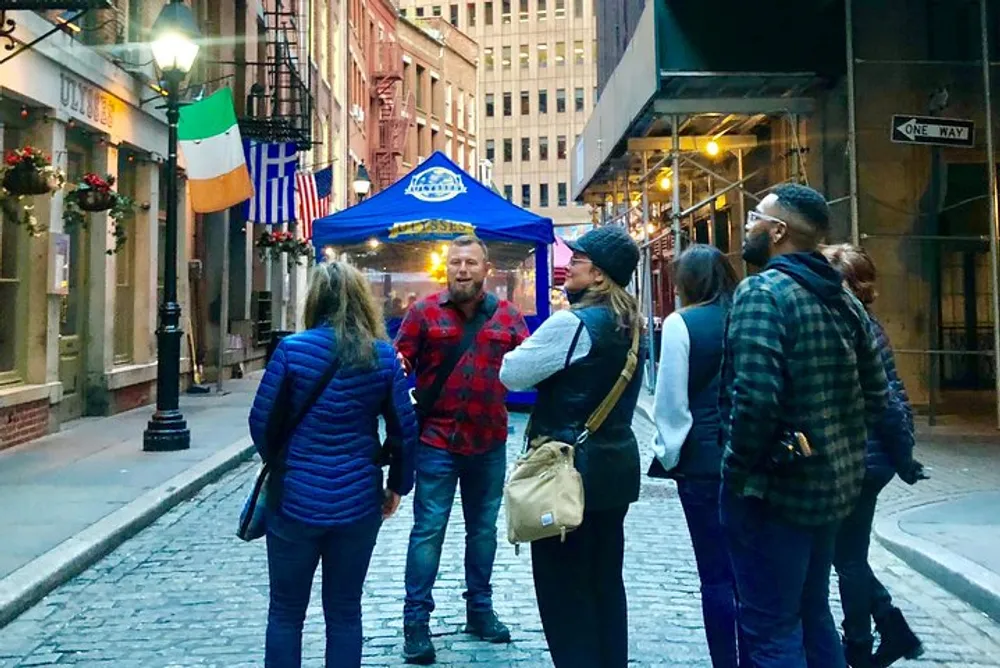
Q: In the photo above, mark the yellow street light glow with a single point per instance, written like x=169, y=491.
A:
x=650, y=228
x=712, y=148
x=665, y=182
x=373, y=243
x=435, y=259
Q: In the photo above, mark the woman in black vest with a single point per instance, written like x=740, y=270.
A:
x=573, y=360
x=686, y=413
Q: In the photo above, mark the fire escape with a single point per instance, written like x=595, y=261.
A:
x=395, y=113
x=280, y=104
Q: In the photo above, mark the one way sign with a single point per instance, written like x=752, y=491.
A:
x=954, y=132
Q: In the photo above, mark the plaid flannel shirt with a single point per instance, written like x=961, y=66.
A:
x=793, y=362
x=470, y=416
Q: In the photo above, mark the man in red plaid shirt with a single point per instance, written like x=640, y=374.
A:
x=462, y=441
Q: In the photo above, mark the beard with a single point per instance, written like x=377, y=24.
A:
x=757, y=250
x=463, y=293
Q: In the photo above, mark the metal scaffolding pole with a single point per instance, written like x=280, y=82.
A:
x=741, y=221
x=676, y=213
x=852, y=123
x=991, y=170
x=647, y=275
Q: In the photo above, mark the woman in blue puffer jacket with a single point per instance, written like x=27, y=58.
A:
x=862, y=596
x=330, y=498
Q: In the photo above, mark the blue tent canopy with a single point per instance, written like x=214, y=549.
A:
x=437, y=200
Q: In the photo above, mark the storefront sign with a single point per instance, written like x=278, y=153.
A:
x=430, y=227
x=87, y=102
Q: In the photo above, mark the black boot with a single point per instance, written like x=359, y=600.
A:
x=859, y=653
x=897, y=641
x=417, y=645
x=486, y=626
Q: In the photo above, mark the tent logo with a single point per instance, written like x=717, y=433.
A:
x=436, y=184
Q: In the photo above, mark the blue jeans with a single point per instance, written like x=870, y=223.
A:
x=783, y=584
x=700, y=501
x=293, y=552
x=862, y=596
x=438, y=473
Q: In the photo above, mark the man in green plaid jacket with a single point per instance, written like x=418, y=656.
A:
x=798, y=358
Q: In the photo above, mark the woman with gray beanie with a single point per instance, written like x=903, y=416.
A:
x=573, y=360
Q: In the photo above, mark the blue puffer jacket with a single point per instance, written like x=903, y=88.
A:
x=893, y=455
x=332, y=477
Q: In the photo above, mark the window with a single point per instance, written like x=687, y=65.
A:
x=543, y=194
x=543, y=148
x=470, y=14
x=420, y=12
x=578, y=52
x=561, y=147
x=420, y=88
x=471, y=107
x=508, y=150
x=526, y=195
x=525, y=103
x=488, y=58
x=560, y=54
x=508, y=193
x=490, y=105
x=560, y=101
x=13, y=297
x=578, y=9
x=543, y=101
x=523, y=14
x=522, y=56
x=323, y=30
x=561, y=192
x=505, y=11
x=124, y=300
x=507, y=104
x=447, y=104
x=436, y=10
x=488, y=13
x=525, y=149
x=560, y=12
x=453, y=15
x=578, y=100
x=404, y=12
x=505, y=57
x=541, y=10
x=491, y=150
x=543, y=56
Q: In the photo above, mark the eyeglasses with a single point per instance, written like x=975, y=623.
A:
x=753, y=216
x=577, y=261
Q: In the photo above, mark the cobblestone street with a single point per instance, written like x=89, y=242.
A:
x=187, y=592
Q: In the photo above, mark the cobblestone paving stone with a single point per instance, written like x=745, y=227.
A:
x=186, y=592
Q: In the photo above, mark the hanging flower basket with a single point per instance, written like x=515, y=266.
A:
x=94, y=200
x=29, y=181
x=93, y=194
x=273, y=244
x=26, y=172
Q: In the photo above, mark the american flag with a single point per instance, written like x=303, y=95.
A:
x=312, y=198
x=272, y=171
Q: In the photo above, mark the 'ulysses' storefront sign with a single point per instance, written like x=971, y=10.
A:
x=87, y=102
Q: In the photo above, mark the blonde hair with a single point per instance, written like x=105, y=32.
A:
x=339, y=297
x=857, y=267
x=615, y=297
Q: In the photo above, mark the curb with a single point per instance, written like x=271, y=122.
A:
x=977, y=586
x=29, y=584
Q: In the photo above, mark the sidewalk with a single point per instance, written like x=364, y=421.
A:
x=948, y=527
x=74, y=496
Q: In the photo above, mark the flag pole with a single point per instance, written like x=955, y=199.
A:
x=224, y=301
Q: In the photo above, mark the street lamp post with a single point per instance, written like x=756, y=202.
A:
x=175, y=47
x=362, y=183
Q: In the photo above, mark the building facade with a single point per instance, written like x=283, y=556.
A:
x=537, y=86
x=441, y=86
x=827, y=105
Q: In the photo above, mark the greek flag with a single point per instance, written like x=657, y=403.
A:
x=272, y=171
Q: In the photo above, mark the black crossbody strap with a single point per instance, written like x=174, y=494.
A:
x=429, y=397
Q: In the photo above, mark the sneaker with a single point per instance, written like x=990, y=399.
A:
x=487, y=626
x=417, y=646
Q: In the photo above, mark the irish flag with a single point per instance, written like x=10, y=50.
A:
x=216, y=167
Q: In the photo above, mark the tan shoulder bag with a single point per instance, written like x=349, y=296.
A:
x=544, y=494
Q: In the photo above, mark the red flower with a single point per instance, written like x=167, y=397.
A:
x=12, y=158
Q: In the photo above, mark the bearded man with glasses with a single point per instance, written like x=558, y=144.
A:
x=801, y=380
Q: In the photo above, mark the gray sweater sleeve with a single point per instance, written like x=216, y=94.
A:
x=559, y=341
